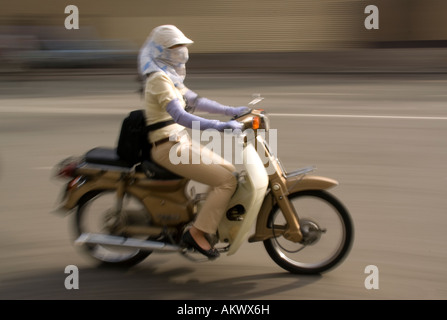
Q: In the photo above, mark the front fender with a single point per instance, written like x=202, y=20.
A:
x=309, y=182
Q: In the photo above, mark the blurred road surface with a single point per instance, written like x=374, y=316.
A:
x=383, y=137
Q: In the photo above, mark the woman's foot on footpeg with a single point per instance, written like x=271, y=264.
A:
x=188, y=239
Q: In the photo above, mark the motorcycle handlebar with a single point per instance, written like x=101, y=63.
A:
x=242, y=115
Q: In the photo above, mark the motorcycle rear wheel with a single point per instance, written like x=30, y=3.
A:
x=91, y=217
x=328, y=234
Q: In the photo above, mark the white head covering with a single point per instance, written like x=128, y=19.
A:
x=155, y=54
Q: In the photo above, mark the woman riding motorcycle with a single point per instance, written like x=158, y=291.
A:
x=161, y=63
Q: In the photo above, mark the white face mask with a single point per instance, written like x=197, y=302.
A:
x=178, y=56
x=154, y=58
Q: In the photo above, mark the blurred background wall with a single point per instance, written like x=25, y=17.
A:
x=232, y=26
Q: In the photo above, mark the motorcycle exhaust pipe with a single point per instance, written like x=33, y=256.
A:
x=104, y=239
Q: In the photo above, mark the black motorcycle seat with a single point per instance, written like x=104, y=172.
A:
x=105, y=156
x=109, y=157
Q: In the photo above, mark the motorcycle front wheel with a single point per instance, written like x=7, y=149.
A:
x=95, y=215
x=327, y=234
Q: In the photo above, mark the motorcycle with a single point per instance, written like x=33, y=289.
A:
x=124, y=213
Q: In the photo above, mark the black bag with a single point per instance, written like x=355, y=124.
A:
x=133, y=145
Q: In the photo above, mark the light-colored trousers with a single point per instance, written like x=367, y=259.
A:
x=213, y=170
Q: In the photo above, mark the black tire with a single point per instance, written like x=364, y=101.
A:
x=105, y=256
x=312, y=258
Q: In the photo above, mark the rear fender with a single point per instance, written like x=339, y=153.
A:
x=77, y=191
